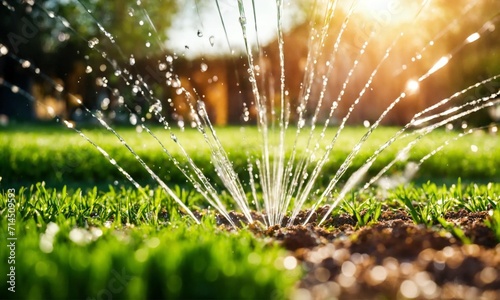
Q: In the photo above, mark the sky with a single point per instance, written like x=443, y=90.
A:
x=199, y=32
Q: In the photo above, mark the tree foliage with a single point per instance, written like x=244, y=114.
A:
x=133, y=27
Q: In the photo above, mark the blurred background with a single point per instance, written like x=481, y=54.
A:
x=115, y=52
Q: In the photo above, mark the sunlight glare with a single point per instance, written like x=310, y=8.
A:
x=375, y=5
x=385, y=12
x=412, y=86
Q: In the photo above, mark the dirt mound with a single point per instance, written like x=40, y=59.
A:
x=393, y=258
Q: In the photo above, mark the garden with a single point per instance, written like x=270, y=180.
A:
x=83, y=232
x=249, y=149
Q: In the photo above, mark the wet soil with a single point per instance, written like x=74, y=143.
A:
x=393, y=258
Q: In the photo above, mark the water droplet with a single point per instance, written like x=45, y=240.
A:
x=131, y=12
x=93, y=42
x=88, y=69
x=63, y=37
x=412, y=86
x=199, y=33
x=26, y=64
x=68, y=124
x=133, y=119
x=204, y=67
x=157, y=107
x=132, y=60
x=141, y=23
x=148, y=44
x=105, y=103
x=473, y=37
x=3, y=50
x=211, y=40
x=135, y=90
x=181, y=124
x=162, y=66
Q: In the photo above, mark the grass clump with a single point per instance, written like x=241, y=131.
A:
x=494, y=222
x=122, y=245
x=433, y=206
x=365, y=212
x=430, y=203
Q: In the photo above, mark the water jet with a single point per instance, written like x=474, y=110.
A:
x=341, y=70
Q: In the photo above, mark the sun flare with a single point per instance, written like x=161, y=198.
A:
x=387, y=11
x=412, y=86
x=374, y=5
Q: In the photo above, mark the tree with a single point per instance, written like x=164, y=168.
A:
x=61, y=36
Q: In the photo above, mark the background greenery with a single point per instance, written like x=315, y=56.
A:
x=59, y=156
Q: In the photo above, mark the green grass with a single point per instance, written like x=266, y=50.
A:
x=426, y=204
x=124, y=244
x=494, y=222
x=96, y=240
x=60, y=157
x=431, y=202
x=429, y=205
x=364, y=212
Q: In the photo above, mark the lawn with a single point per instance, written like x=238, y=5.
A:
x=100, y=238
x=60, y=157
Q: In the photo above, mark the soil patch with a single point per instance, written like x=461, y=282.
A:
x=391, y=259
